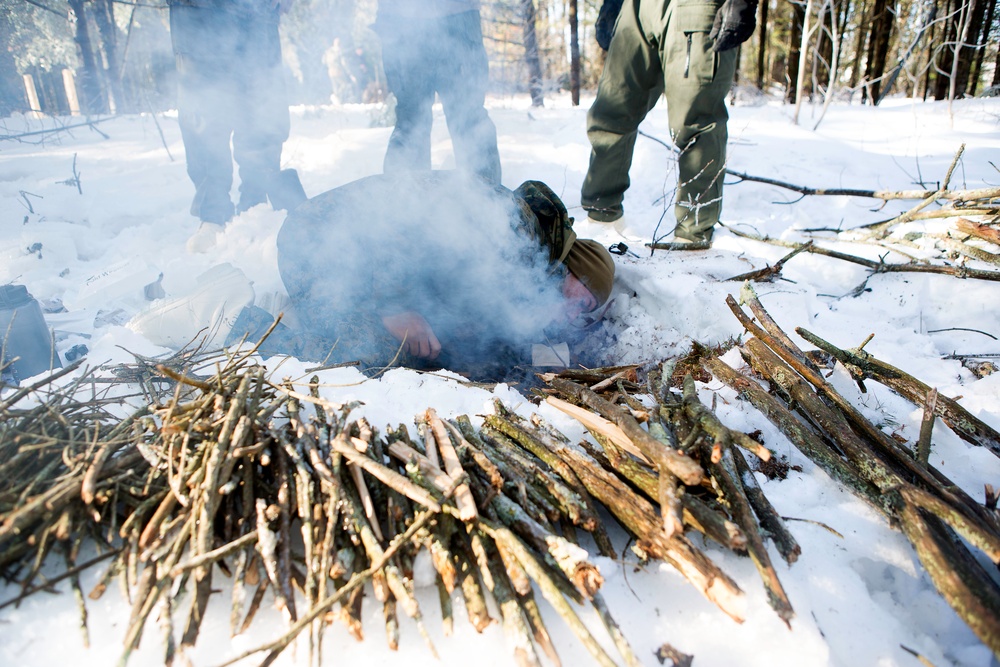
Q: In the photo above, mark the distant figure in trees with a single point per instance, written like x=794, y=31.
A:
x=231, y=86
x=687, y=51
x=436, y=46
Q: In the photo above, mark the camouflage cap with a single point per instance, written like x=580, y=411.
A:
x=556, y=226
x=591, y=262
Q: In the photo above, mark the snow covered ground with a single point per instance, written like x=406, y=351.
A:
x=859, y=595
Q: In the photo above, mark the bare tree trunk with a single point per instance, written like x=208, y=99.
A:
x=93, y=100
x=574, y=53
x=859, y=47
x=983, y=42
x=798, y=15
x=11, y=84
x=878, y=46
x=104, y=16
x=762, y=51
x=834, y=63
x=946, y=54
x=803, y=54
x=931, y=57
x=962, y=30
x=531, y=56
x=971, y=47
x=996, y=70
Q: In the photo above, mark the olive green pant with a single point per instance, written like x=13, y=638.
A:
x=662, y=47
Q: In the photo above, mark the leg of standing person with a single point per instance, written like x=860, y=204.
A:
x=203, y=42
x=629, y=87
x=262, y=123
x=696, y=81
x=463, y=77
x=406, y=73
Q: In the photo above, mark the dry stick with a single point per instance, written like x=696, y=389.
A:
x=534, y=615
x=874, y=469
x=599, y=426
x=621, y=643
x=542, y=431
x=980, y=231
x=539, y=481
x=35, y=386
x=726, y=476
x=397, y=584
x=769, y=273
x=696, y=513
x=452, y=466
x=570, y=559
x=516, y=628
x=472, y=592
x=364, y=495
x=639, y=517
x=447, y=616
x=961, y=421
x=581, y=511
x=214, y=555
x=880, y=266
x=665, y=458
x=384, y=474
x=947, y=501
x=927, y=201
x=927, y=427
x=955, y=245
x=431, y=474
x=710, y=424
x=748, y=297
x=73, y=571
x=549, y=589
x=322, y=606
x=976, y=601
x=668, y=491
x=884, y=195
x=769, y=519
x=988, y=543
x=800, y=435
x=469, y=445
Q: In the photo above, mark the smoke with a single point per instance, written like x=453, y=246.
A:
x=444, y=244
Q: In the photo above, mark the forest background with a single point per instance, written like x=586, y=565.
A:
x=91, y=57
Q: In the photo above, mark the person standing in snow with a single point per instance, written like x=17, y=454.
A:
x=436, y=46
x=441, y=266
x=231, y=86
x=686, y=50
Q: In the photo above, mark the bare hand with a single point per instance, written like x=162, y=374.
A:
x=411, y=329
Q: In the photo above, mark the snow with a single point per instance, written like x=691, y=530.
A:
x=858, y=591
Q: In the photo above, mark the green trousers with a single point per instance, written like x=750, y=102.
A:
x=662, y=47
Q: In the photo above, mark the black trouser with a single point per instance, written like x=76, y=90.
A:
x=230, y=86
x=442, y=55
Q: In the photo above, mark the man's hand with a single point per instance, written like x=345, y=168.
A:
x=734, y=24
x=411, y=329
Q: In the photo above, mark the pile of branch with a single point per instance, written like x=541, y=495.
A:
x=284, y=493
x=896, y=480
x=971, y=232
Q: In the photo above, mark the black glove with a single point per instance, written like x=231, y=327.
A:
x=604, y=28
x=734, y=23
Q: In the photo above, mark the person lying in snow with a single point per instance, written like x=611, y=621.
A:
x=435, y=268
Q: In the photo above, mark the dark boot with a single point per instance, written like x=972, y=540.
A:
x=212, y=205
x=286, y=192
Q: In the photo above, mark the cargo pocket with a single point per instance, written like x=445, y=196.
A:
x=694, y=22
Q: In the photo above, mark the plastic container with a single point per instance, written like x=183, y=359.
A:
x=207, y=313
x=25, y=340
